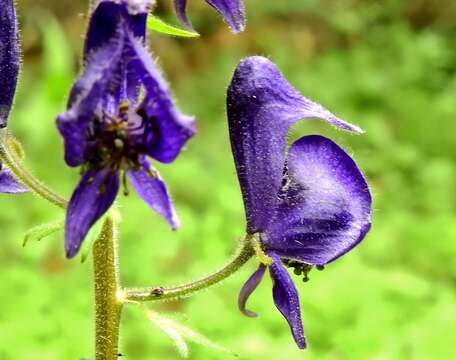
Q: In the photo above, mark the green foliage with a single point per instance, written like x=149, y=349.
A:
x=156, y=24
x=388, y=66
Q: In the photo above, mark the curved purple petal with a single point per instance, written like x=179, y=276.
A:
x=85, y=100
x=232, y=11
x=151, y=188
x=107, y=17
x=248, y=288
x=93, y=196
x=171, y=128
x=9, y=58
x=8, y=184
x=262, y=106
x=286, y=300
x=325, y=204
x=181, y=11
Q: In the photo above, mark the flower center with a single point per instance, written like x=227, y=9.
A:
x=111, y=143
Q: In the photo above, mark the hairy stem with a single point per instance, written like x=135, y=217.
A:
x=13, y=162
x=108, y=308
x=159, y=293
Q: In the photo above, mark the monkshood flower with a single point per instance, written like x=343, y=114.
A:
x=120, y=113
x=231, y=10
x=9, y=69
x=305, y=207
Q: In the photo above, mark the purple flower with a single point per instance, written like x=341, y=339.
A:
x=305, y=207
x=9, y=69
x=231, y=10
x=120, y=113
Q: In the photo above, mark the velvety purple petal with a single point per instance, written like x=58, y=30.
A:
x=181, y=11
x=93, y=196
x=8, y=184
x=262, y=106
x=171, y=128
x=152, y=189
x=325, y=204
x=248, y=288
x=232, y=11
x=286, y=300
x=108, y=16
x=9, y=58
x=85, y=100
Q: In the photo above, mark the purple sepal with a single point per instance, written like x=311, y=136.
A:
x=262, y=106
x=232, y=11
x=170, y=128
x=9, y=58
x=85, y=100
x=286, y=299
x=181, y=11
x=152, y=189
x=8, y=184
x=248, y=288
x=325, y=204
x=92, y=198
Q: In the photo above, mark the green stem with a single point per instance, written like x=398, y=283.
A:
x=12, y=161
x=159, y=293
x=108, y=308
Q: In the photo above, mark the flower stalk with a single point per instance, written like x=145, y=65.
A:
x=14, y=164
x=108, y=308
x=244, y=254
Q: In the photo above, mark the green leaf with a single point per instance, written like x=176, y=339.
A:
x=158, y=25
x=41, y=231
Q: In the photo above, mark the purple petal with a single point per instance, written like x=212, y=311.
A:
x=262, y=106
x=85, y=100
x=248, y=288
x=232, y=11
x=181, y=11
x=108, y=16
x=151, y=188
x=93, y=196
x=171, y=128
x=8, y=184
x=286, y=300
x=9, y=58
x=325, y=207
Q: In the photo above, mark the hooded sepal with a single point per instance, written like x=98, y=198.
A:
x=262, y=106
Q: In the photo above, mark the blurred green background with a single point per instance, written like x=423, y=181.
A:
x=388, y=66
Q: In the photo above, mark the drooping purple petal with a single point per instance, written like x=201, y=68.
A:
x=93, y=196
x=8, y=184
x=262, y=106
x=232, y=11
x=152, y=189
x=286, y=300
x=170, y=128
x=84, y=103
x=325, y=207
x=248, y=288
x=181, y=11
x=9, y=58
